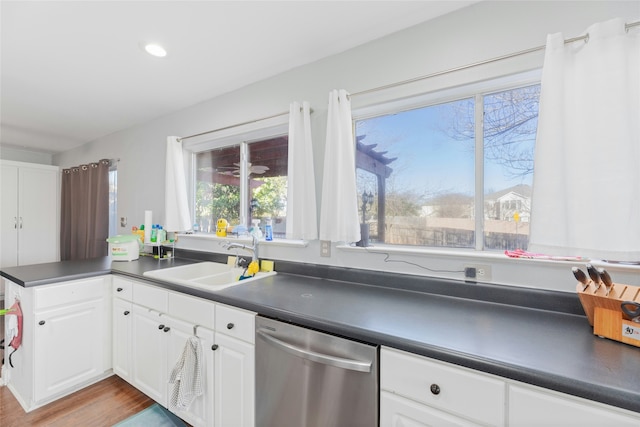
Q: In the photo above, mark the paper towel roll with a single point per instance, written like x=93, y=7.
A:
x=148, y=224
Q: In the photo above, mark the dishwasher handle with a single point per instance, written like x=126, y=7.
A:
x=338, y=362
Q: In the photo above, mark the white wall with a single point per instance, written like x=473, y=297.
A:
x=18, y=155
x=482, y=31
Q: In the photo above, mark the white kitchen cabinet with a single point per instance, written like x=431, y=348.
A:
x=122, y=329
x=161, y=322
x=535, y=406
x=149, y=354
x=69, y=347
x=201, y=410
x=437, y=393
x=66, y=339
x=29, y=213
x=234, y=393
x=466, y=397
x=157, y=344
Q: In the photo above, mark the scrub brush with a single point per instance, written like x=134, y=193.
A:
x=250, y=271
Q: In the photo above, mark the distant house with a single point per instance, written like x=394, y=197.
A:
x=502, y=205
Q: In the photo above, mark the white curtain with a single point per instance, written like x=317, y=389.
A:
x=176, y=204
x=302, y=218
x=586, y=191
x=339, y=220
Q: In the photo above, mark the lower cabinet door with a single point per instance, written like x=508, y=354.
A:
x=68, y=347
x=234, y=393
x=121, y=339
x=397, y=411
x=200, y=412
x=149, y=353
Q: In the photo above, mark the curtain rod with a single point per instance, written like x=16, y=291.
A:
x=233, y=126
x=484, y=62
x=239, y=124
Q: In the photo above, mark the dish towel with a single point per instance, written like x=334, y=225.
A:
x=186, y=375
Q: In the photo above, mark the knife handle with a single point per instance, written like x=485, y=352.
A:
x=581, y=277
x=606, y=279
x=593, y=274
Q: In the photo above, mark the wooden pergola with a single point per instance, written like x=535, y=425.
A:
x=375, y=162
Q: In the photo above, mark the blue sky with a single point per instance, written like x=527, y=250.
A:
x=429, y=158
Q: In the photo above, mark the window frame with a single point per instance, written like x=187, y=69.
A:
x=473, y=90
x=240, y=135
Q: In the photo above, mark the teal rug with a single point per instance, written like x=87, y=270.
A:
x=154, y=416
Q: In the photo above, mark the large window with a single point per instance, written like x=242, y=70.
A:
x=443, y=174
x=244, y=184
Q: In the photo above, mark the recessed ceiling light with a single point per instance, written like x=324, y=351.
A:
x=155, y=50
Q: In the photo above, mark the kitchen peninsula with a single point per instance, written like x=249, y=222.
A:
x=522, y=337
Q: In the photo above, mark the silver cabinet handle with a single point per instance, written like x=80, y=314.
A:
x=338, y=362
x=20, y=223
x=15, y=222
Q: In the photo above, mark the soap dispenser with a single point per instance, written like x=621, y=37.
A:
x=268, y=230
x=255, y=229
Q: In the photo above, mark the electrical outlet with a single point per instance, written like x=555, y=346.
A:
x=325, y=248
x=477, y=272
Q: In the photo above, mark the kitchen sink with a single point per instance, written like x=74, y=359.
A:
x=205, y=275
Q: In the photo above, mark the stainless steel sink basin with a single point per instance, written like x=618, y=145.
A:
x=205, y=275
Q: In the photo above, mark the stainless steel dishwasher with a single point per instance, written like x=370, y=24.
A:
x=306, y=378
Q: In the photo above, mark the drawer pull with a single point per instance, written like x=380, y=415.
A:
x=119, y=290
x=126, y=313
x=435, y=389
x=161, y=327
x=42, y=322
x=167, y=329
x=214, y=347
x=230, y=325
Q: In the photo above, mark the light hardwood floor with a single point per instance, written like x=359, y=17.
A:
x=102, y=404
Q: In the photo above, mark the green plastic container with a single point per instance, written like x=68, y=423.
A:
x=124, y=247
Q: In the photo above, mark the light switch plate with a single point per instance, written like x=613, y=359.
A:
x=123, y=221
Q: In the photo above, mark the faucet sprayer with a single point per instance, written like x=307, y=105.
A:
x=253, y=248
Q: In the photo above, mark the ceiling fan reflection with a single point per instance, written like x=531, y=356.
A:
x=235, y=170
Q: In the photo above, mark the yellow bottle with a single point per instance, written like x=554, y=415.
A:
x=221, y=227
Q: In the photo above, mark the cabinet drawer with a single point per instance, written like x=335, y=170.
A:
x=192, y=309
x=457, y=390
x=69, y=292
x=397, y=411
x=121, y=288
x=235, y=322
x=532, y=406
x=151, y=296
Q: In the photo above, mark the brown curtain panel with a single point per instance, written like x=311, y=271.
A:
x=84, y=224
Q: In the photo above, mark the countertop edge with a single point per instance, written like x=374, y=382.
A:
x=588, y=390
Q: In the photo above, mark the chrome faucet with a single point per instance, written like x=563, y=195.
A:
x=253, y=248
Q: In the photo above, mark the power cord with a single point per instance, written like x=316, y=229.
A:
x=388, y=256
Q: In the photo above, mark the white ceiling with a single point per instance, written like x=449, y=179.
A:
x=73, y=71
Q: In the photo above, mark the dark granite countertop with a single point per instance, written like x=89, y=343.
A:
x=478, y=326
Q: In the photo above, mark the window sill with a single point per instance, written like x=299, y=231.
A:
x=243, y=239
x=481, y=256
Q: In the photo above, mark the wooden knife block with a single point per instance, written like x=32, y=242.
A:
x=605, y=315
